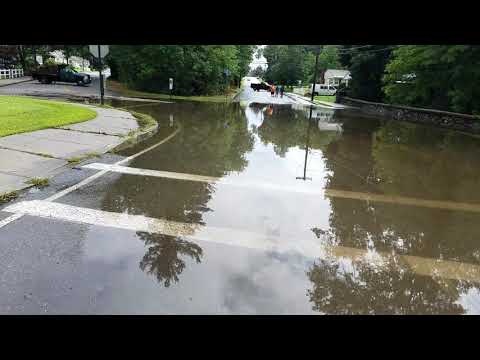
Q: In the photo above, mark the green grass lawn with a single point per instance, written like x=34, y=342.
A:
x=327, y=98
x=22, y=114
x=124, y=91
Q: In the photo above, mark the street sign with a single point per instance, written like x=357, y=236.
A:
x=100, y=51
x=170, y=84
x=104, y=49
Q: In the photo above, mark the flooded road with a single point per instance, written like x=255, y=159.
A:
x=251, y=208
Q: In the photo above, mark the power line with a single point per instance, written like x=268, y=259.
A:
x=354, y=48
x=370, y=51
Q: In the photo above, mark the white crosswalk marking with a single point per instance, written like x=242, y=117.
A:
x=401, y=200
x=310, y=248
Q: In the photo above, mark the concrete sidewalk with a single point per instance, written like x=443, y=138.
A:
x=44, y=153
x=6, y=82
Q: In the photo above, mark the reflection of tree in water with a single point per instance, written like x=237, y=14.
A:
x=162, y=258
x=426, y=162
x=288, y=128
x=353, y=162
x=386, y=158
x=367, y=289
x=213, y=141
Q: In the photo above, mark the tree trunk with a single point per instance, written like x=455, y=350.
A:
x=21, y=55
x=35, y=64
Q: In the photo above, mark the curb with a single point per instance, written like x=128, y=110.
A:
x=87, y=98
x=136, y=138
x=14, y=83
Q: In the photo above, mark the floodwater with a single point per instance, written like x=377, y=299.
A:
x=340, y=214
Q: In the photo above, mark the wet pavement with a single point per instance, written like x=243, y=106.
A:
x=262, y=96
x=249, y=208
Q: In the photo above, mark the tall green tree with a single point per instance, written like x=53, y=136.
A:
x=286, y=63
x=367, y=65
x=196, y=69
x=258, y=72
x=444, y=77
x=245, y=57
x=290, y=63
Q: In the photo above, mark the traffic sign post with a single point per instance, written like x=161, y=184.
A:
x=100, y=51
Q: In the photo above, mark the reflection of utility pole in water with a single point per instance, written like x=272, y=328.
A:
x=304, y=177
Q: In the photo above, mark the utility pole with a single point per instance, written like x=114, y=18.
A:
x=102, y=90
x=307, y=144
x=315, y=73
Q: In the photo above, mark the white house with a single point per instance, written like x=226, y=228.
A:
x=73, y=60
x=336, y=77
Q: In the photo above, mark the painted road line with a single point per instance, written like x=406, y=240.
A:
x=147, y=172
x=86, y=181
x=449, y=205
x=10, y=219
x=311, y=248
x=436, y=204
x=149, y=148
x=76, y=186
x=201, y=178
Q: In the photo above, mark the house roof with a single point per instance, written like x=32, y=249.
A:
x=338, y=73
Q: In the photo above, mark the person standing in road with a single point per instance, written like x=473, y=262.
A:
x=272, y=90
x=282, y=88
x=277, y=90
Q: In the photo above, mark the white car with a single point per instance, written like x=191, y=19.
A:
x=323, y=89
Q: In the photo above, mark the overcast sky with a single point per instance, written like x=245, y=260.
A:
x=256, y=62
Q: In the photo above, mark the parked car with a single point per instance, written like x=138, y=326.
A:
x=323, y=89
x=51, y=73
x=260, y=86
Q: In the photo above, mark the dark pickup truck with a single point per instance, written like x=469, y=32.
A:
x=260, y=86
x=64, y=73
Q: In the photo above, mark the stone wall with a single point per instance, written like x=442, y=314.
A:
x=449, y=120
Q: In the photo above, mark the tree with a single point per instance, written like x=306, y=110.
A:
x=327, y=59
x=286, y=63
x=162, y=258
x=366, y=64
x=245, y=55
x=389, y=289
x=8, y=56
x=258, y=72
x=437, y=76
x=196, y=69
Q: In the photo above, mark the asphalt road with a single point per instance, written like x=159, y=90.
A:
x=35, y=88
x=251, y=209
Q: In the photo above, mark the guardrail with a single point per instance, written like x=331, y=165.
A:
x=11, y=73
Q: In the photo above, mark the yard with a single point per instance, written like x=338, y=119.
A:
x=23, y=114
x=327, y=98
x=121, y=89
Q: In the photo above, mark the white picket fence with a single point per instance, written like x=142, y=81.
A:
x=10, y=73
